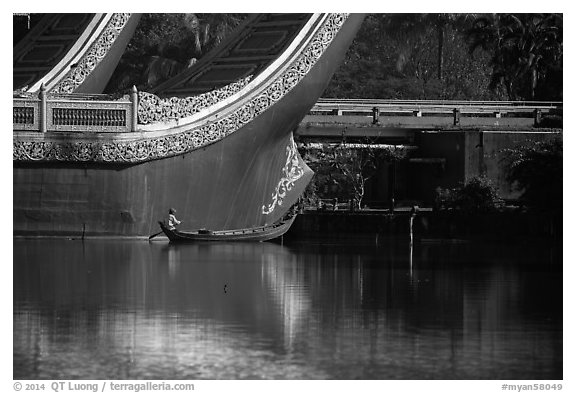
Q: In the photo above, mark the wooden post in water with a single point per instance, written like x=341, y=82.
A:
x=411, y=228
x=413, y=212
x=410, y=259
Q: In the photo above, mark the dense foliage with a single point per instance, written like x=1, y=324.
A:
x=536, y=169
x=453, y=56
x=411, y=56
x=526, y=53
x=477, y=195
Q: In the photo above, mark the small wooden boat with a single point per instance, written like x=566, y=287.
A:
x=256, y=234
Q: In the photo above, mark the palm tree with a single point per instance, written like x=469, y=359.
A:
x=524, y=48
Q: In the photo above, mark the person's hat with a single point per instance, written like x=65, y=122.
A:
x=172, y=211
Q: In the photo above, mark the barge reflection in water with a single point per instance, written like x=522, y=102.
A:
x=136, y=310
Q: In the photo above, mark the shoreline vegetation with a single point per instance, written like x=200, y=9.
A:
x=509, y=224
x=474, y=209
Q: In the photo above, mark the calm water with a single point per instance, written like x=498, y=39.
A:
x=138, y=310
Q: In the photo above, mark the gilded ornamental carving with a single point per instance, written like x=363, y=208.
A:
x=291, y=172
x=94, y=56
x=152, y=109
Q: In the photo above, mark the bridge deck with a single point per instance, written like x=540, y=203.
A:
x=397, y=129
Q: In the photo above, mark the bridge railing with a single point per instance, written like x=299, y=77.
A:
x=434, y=107
x=74, y=112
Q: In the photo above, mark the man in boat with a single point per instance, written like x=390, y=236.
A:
x=172, y=220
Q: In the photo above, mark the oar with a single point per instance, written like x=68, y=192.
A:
x=154, y=235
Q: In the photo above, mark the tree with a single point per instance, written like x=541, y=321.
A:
x=357, y=166
x=342, y=170
x=526, y=50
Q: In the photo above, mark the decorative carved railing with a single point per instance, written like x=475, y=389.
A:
x=74, y=113
x=94, y=113
x=25, y=115
x=84, y=116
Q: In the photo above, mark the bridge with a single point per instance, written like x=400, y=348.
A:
x=396, y=121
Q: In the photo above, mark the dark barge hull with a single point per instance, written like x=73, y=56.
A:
x=224, y=185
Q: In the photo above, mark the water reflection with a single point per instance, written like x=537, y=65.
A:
x=286, y=284
x=130, y=310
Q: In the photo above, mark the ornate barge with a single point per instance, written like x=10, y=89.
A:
x=215, y=142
